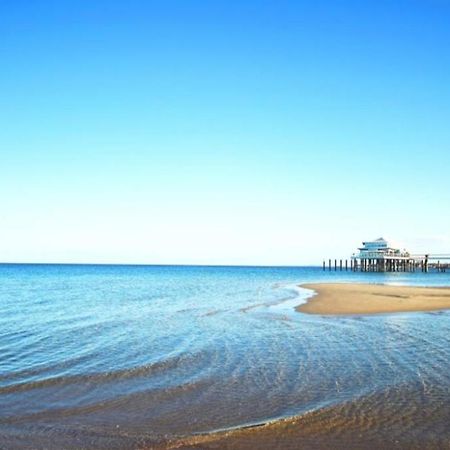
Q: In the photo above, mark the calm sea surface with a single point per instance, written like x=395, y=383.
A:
x=123, y=356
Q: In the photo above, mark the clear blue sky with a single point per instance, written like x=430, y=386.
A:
x=246, y=132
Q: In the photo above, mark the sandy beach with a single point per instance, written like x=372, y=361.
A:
x=352, y=298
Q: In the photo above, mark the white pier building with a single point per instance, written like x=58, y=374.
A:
x=379, y=256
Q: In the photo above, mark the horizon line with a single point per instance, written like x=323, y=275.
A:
x=5, y=263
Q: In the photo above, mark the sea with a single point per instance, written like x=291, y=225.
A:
x=121, y=356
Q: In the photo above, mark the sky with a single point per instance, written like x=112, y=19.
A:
x=222, y=132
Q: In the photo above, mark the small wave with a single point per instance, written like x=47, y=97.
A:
x=250, y=307
x=212, y=313
x=104, y=377
x=116, y=404
x=297, y=294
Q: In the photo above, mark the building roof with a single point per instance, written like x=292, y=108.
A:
x=379, y=240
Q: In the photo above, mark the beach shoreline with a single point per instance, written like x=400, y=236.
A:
x=354, y=299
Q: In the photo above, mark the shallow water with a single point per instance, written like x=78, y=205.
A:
x=124, y=356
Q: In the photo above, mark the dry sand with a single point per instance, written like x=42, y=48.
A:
x=350, y=298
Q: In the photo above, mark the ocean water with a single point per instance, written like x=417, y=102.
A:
x=134, y=356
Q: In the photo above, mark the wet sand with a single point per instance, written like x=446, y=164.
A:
x=349, y=298
x=387, y=419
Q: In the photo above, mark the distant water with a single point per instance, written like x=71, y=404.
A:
x=125, y=356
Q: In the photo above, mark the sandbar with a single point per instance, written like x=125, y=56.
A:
x=353, y=298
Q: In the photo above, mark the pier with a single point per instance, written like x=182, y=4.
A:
x=378, y=256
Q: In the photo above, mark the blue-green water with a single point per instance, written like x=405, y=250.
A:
x=121, y=356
